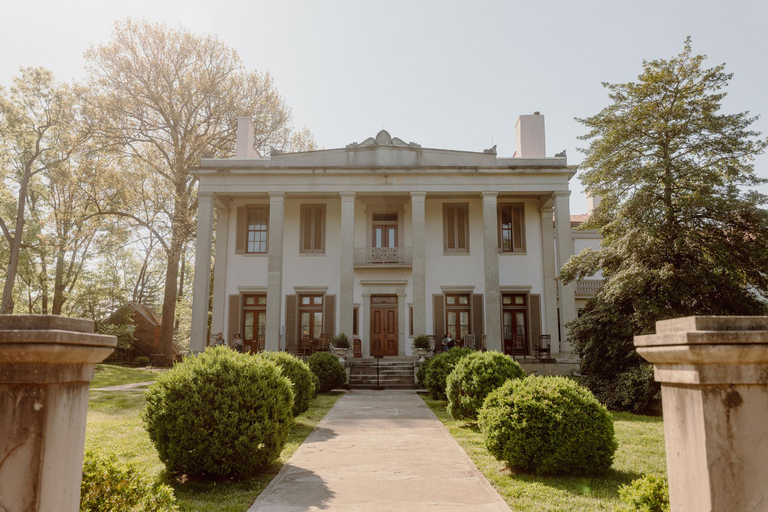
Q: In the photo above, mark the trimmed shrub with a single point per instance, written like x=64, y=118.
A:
x=548, y=425
x=299, y=374
x=109, y=485
x=316, y=383
x=473, y=377
x=649, y=493
x=328, y=370
x=142, y=361
x=438, y=370
x=421, y=375
x=633, y=390
x=221, y=413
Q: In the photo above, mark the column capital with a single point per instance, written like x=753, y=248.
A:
x=205, y=197
x=347, y=196
x=490, y=196
x=276, y=197
x=418, y=196
x=547, y=211
x=220, y=210
x=562, y=193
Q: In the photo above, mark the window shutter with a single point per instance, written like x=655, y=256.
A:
x=330, y=316
x=318, y=228
x=439, y=320
x=535, y=306
x=477, y=318
x=290, y=322
x=461, y=228
x=234, y=317
x=240, y=229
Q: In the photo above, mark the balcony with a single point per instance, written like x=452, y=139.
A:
x=383, y=257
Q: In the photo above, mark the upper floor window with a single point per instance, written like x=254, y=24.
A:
x=258, y=226
x=385, y=230
x=512, y=227
x=312, y=229
x=456, y=228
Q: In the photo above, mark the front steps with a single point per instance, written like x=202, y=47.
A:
x=393, y=374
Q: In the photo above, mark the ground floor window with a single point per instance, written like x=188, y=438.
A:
x=513, y=323
x=457, y=315
x=311, y=317
x=355, y=320
x=254, y=321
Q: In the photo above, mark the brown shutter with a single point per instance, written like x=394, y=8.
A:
x=330, y=316
x=240, y=229
x=234, y=317
x=439, y=321
x=477, y=318
x=535, y=319
x=290, y=322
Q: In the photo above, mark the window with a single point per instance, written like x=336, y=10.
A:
x=355, y=325
x=512, y=228
x=457, y=313
x=254, y=321
x=258, y=223
x=513, y=324
x=456, y=228
x=410, y=320
x=384, y=230
x=311, y=316
x=312, y=229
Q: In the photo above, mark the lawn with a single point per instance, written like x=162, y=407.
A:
x=641, y=450
x=111, y=375
x=114, y=426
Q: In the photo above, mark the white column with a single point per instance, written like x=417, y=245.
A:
x=550, y=277
x=202, y=273
x=419, y=273
x=402, y=339
x=220, y=270
x=347, y=288
x=564, y=251
x=275, y=270
x=491, y=260
x=365, y=327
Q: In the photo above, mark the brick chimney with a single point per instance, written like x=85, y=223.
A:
x=529, y=135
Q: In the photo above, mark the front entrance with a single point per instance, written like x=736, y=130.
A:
x=514, y=331
x=384, y=325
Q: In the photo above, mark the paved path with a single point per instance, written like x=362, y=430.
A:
x=380, y=451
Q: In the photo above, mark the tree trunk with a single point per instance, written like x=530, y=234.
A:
x=58, y=283
x=6, y=306
x=178, y=237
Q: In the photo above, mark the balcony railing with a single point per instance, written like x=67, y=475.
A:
x=383, y=256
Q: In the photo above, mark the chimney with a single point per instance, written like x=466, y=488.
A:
x=529, y=134
x=592, y=203
x=245, y=133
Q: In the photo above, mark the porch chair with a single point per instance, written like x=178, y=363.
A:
x=543, y=347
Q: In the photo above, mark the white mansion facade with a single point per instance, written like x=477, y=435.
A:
x=384, y=240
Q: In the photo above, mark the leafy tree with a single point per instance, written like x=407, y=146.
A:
x=681, y=236
x=167, y=98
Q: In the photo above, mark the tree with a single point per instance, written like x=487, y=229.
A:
x=38, y=132
x=680, y=237
x=167, y=98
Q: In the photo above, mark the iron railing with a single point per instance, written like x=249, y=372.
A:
x=383, y=256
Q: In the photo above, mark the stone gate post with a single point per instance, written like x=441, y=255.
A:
x=46, y=363
x=714, y=384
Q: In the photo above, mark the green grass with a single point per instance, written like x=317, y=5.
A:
x=641, y=450
x=114, y=426
x=111, y=375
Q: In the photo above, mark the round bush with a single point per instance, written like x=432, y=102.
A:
x=547, y=425
x=221, y=413
x=299, y=374
x=649, y=493
x=328, y=370
x=142, y=361
x=439, y=368
x=473, y=377
x=109, y=485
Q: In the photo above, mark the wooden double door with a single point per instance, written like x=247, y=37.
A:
x=384, y=325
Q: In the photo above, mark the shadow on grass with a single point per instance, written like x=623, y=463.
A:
x=604, y=484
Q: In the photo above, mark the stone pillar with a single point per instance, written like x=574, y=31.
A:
x=347, y=288
x=714, y=387
x=418, y=216
x=491, y=260
x=550, y=281
x=564, y=251
x=201, y=290
x=46, y=363
x=275, y=271
x=365, y=327
x=403, y=337
x=220, y=271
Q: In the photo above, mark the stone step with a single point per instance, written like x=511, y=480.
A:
x=372, y=371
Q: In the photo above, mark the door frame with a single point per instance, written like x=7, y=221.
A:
x=394, y=305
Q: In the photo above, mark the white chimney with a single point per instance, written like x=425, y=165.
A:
x=245, y=135
x=592, y=203
x=529, y=134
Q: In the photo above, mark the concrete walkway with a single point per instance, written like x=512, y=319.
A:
x=380, y=451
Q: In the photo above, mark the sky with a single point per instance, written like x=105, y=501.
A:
x=444, y=74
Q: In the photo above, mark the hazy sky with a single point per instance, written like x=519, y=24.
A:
x=444, y=74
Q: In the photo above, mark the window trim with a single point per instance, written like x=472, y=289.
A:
x=512, y=206
x=302, y=227
x=248, y=210
x=457, y=249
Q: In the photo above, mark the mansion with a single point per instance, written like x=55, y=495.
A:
x=384, y=240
